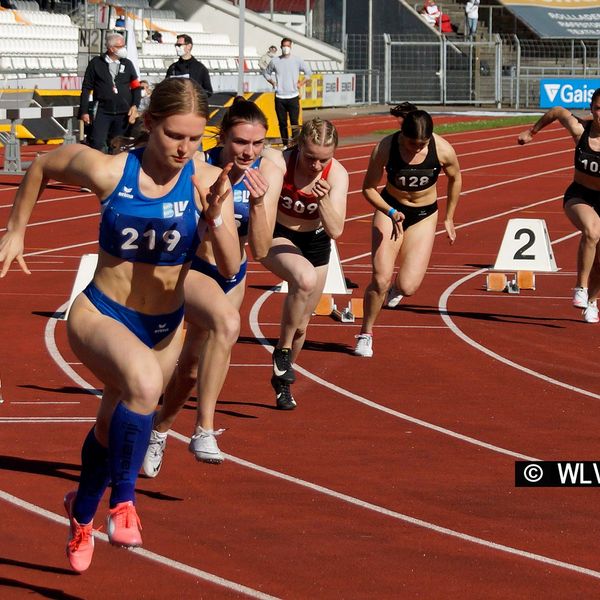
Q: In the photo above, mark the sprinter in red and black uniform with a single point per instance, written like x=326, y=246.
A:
x=406, y=213
x=310, y=213
x=582, y=198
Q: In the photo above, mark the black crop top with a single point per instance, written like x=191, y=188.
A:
x=587, y=160
x=412, y=178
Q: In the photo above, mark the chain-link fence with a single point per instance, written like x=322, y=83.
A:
x=501, y=71
x=527, y=61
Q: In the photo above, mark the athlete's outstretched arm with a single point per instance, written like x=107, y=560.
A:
x=569, y=121
x=75, y=164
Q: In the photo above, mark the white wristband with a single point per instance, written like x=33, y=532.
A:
x=216, y=222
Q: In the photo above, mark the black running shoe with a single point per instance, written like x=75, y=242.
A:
x=283, y=395
x=282, y=365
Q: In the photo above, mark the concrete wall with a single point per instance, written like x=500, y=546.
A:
x=220, y=16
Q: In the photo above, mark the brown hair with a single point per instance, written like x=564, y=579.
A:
x=319, y=131
x=242, y=111
x=402, y=109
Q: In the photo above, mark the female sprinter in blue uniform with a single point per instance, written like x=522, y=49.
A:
x=310, y=213
x=406, y=213
x=213, y=301
x=582, y=198
x=157, y=203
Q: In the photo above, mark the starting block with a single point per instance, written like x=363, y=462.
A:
x=85, y=274
x=325, y=306
x=356, y=306
x=526, y=280
x=345, y=315
x=353, y=311
x=499, y=282
x=496, y=282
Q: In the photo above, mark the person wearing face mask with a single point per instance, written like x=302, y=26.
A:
x=283, y=74
x=189, y=67
x=112, y=80
x=146, y=92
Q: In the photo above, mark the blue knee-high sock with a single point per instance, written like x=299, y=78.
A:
x=95, y=477
x=129, y=435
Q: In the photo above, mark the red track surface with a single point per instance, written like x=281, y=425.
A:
x=395, y=475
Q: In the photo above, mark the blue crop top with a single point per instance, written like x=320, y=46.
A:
x=587, y=160
x=158, y=231
x=412, y=178
x=241, y=195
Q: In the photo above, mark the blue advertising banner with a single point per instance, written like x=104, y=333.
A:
x=567, y=92
x=558, y=18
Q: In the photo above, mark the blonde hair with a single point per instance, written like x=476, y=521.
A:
x=320, y=132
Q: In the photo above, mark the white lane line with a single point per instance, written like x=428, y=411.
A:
x=50, y=341
x=462, y=155
x=38, y=403
x=255, y=327
x=48, y=200
x=153, y=556
x=418, y=522
x=96, y=214
x=405, y=518
x=443, y=308
x=333, y=494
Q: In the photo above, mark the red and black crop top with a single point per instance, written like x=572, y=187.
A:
x=294, y=202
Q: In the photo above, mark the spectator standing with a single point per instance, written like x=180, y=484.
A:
x=113, y=81
x=265, y=59
x=146, y=92
x=189, y=67
x=471, y=15
x=283, y=74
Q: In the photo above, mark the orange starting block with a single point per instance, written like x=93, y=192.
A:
x=325, y=306
x=526, y=280
x=501, y=282
x=356, y=307
x=496, y=282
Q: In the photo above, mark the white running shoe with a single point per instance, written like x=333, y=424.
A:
x=590, y=313
x=580, y=297
x=393, y=298
x=203, y=446
x=364, y=345
x=154, y=454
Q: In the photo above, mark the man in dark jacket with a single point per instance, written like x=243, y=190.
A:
x=113, y=81
x=187, y=66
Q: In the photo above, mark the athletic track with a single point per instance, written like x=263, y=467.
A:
x=394, y=478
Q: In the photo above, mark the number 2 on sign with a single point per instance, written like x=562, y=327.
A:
x=520, y=253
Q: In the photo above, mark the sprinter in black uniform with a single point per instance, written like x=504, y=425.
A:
x=406, y=213
x=582, y=197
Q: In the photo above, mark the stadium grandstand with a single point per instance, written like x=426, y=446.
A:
x=380, y=51
x=41, y=44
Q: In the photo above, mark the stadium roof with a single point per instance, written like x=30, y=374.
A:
x=295, y=6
